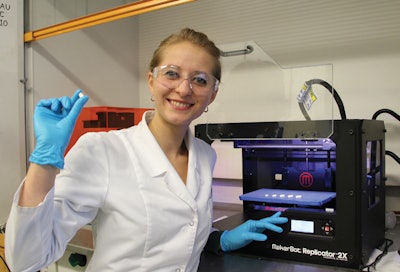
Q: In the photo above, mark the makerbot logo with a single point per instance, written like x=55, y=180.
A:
x=315, y=253
x=306, y=180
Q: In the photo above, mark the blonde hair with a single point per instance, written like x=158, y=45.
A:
x=194, y=37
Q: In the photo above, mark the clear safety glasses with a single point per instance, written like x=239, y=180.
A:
x=171, y=77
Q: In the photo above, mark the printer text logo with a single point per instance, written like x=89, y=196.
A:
x=326, y=254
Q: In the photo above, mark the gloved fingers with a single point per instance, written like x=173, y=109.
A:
x=52, y=104
x=56, y=105
x=45, y=103
x=75, y=96
x=277, y=214
x=70, y=107
x=262, y=225
x=66, y=103
x=69, y=103
x=78, y=105
x=274, y=220
x=254, y=236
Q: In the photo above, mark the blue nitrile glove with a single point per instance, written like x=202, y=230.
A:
x=53, y=121
x=251, y=230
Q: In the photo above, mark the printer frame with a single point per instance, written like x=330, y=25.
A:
x=346, y=229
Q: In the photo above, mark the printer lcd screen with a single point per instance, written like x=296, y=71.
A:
x=302, y=226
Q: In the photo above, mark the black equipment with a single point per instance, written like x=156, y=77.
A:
x=332, y=188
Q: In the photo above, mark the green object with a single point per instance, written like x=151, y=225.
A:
x=77, y=259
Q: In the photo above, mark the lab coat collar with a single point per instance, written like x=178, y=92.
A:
x=152, y=153
x=193, y=182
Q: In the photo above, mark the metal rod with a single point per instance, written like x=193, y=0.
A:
x=239, y=52
x=109, y=15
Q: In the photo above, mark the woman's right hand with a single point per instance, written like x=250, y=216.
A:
x=54, y=121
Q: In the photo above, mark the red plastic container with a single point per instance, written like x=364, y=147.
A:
x=94, y=119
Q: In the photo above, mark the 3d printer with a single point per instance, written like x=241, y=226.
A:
x=326, y=174
x=331, y=189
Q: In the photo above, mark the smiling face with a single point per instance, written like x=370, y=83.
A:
x=181, y=105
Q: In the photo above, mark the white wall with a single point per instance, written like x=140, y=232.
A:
x=12, y=130
x=364, y=53
x=102, y=60
x=110, y=61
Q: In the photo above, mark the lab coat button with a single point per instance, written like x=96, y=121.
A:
x=178, y=270
x=191, y=223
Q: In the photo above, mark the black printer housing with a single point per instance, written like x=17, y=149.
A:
x=293, y=156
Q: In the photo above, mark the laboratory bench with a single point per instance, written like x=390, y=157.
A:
x=232, y=262
x=236, y=262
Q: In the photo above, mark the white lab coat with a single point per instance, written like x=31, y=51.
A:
x=143, y=216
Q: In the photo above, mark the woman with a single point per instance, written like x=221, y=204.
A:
x=146, y=189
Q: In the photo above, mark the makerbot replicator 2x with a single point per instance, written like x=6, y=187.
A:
x=332, y=189
x=326, y=176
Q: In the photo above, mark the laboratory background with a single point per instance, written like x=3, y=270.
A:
x=354, y=45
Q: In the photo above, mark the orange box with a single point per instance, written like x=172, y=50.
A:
x=94, y=119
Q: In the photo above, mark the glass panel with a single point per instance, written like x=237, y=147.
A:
x=255, y=88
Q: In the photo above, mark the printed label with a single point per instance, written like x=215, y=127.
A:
x=4, y=10
x=325, y=254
